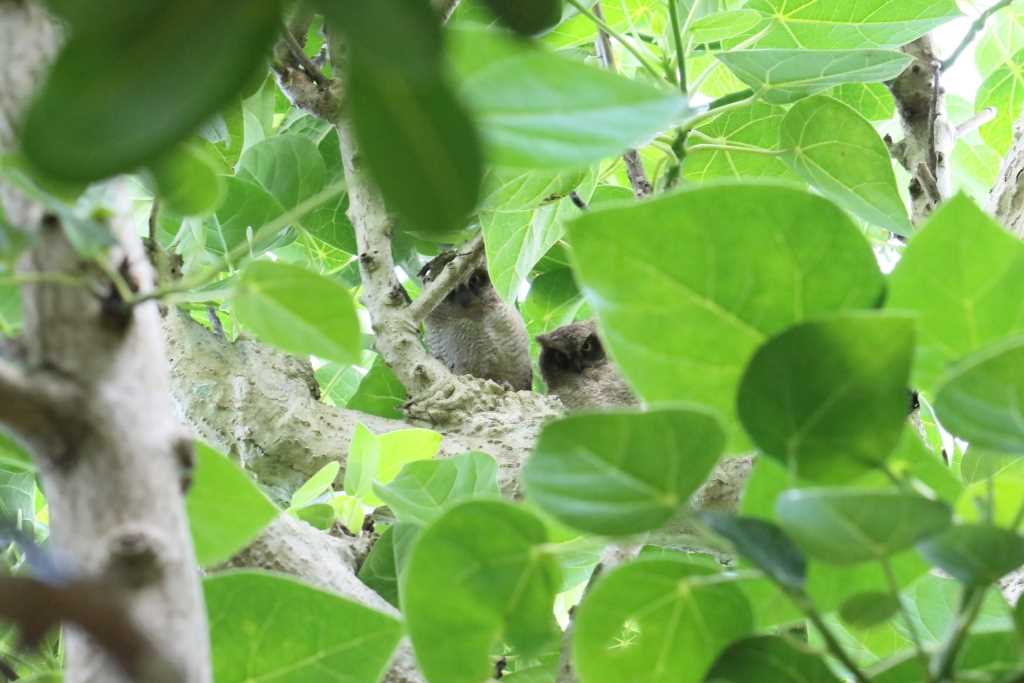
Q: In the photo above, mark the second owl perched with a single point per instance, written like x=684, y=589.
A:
x=577, y=370
x=474, y=332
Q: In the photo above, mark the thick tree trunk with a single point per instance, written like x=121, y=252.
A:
x=111, y=455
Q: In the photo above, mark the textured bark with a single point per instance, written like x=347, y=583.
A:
x=110, y=454
x=1006, y=201
x=928, y=135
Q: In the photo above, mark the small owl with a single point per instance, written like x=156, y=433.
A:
x=576, y=369
x=475, y=333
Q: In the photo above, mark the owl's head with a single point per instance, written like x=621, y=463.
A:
x=570, y=349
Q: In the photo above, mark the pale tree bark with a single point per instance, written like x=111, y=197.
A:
x=88, y=394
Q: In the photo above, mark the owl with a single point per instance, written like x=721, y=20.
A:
x=577, y=370
x=475, y=333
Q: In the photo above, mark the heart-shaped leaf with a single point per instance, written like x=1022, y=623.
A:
x=478, y=573
x=622, y=473
x=829, y=398
x=849, y=526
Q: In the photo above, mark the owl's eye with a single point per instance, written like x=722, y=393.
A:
x=591, y=349
x=587, y=346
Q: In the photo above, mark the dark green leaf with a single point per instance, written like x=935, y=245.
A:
x=987, y=654
x=187, y=179
x=136, y=90
x=424, y=488
x=841, y=154
x=769, y=659
x=963, y=275
x=298, y=311
x=711, y=297
x=657, y=621
x=849, y=526
x=419, y=144
x=246, y=208
x=289, y=167
x=975, y=554
x=319, y=515
x=622, y=473
x=478, y=576
x=380, y=392
x=536, y=109
x=527, y=16
x=226, y=510
x=293, y=633
x=829, y=398
x=784, y=76
x=865, y=610
x=763, y=544
x=982, y=398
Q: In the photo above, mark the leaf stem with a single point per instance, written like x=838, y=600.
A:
x=894, y=589
x=677, y=34
x=601, y=24
x=242, y=249
x=941, y=669
x=833, y=645
x=37, y=278
x=973, y=31
x=734, y=148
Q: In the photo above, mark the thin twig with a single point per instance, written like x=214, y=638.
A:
x=973, y=31
x=299, y=55
x=894, y=589
x=975, y=122
x=677, y=34
x=832, y=643
x=941, y=669
x=240, y=251
x=444, y=282
x=617, y=36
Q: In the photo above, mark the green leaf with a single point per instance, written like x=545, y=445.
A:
x=527, y=17
x=538, y=110
x=840, y=153
x=622, y=473
x=424, y=488
x=380, y=393
x=381, y=569
x=379, y=458
x=319, y=515
x=721, y=25
x=873, y=101
x=763, y=544
x=755, y=125
x=975, y=554
x=711, y=297
x=289, y=167
x=865, y=610
x=246, y=208
x=828, y=399
x=477, y=577
x=981, y=399
x=1003, y=90
x=293, y=632
x=553, y=301
x=226, y=510
x=348, y=510
x=1001, y=39
x=188, y=181
x=522, y=217
x=784, y=76
x=987, y=654
x=850, y=526
x=317, y=485
x=963, y=275
x=12, y=455
x=298, y=311
x=419, y=144
x=657, y=621
x=769, y=659
x=136, y=91
x=841, y=24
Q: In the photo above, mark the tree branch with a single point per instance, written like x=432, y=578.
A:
x=973, y=31
x=453, y=273
x=1006, y=200
x=928, y=135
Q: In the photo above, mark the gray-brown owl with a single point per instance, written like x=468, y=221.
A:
x=475, y=333
x=576, y=369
